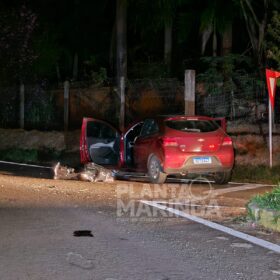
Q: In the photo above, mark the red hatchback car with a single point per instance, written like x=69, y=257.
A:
x=161, y=146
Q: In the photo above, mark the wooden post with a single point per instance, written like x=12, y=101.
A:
x=190, y=92
x=66, y=104
x=21, y=109
x=122, y=109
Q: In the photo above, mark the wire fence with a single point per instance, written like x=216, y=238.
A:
x=147, y=98
x=40, y=111
x=243, y=99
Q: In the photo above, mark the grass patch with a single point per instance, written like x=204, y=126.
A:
x=29, y=155
x=19, y=155
x=256, y=174
x=269, y=200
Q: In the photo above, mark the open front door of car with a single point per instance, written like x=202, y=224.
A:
x=99, y=143
x=127, y=144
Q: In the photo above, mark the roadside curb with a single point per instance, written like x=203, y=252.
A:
x=268, y=218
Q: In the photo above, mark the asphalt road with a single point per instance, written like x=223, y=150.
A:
x=39, y=242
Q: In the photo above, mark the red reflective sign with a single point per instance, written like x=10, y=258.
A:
x=271, y=77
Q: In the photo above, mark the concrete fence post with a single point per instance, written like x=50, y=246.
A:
x=189, y=92
x=66, y=104
x=122, y=109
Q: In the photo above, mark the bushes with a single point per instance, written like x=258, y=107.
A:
x=256, y=174
x=269, y=200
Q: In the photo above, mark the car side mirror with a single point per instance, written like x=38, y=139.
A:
x=135, y=139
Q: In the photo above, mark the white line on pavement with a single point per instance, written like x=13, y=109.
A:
x=237, y=183
x=25, y=164
x=196, y=205
x=238, y=234
x=235, y=189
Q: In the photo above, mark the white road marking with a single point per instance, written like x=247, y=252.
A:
x=260, y=242
x=235, y=189
x=197, y=205
x=236, y=183
x=25, y=164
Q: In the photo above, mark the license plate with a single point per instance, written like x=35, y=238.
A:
x=202, y=160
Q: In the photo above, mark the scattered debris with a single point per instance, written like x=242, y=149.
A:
x=241, y=245
x=79, y=260
x=222, y=237
x=91, y=172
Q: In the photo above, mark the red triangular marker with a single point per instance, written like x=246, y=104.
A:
x=271, y=77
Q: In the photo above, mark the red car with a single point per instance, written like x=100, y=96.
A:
x=161, y=146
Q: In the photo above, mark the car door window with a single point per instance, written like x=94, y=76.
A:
x=93, y=129
x=149, y=127
x=103, y=143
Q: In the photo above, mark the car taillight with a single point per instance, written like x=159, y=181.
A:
x=227, y=141
x=169, y=142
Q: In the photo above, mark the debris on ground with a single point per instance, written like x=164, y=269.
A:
x=91, y=172
x=79, y=260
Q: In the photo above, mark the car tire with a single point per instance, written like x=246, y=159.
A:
x=222, y=178
x=155, y=172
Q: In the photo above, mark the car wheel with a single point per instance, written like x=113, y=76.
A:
x=222, y=178
x=155, y=171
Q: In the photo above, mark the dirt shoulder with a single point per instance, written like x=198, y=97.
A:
x=24, y=191
x=27, y=191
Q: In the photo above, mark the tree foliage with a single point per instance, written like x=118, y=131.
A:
x=273, y=41
x=41, y=40
x=17, y=27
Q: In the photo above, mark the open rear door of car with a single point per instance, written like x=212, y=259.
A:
x=99, y=143
x=222, y=123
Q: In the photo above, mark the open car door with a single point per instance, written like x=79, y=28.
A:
x=127, y=143
x=222, y=123
x=99, y=143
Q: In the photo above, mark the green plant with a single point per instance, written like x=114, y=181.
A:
x=99, y=77
x=269, y=200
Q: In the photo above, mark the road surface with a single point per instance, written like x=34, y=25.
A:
x=40, y=218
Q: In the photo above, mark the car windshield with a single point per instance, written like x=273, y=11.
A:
x=192, y=125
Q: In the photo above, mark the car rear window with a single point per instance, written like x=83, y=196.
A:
x=192, y=125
